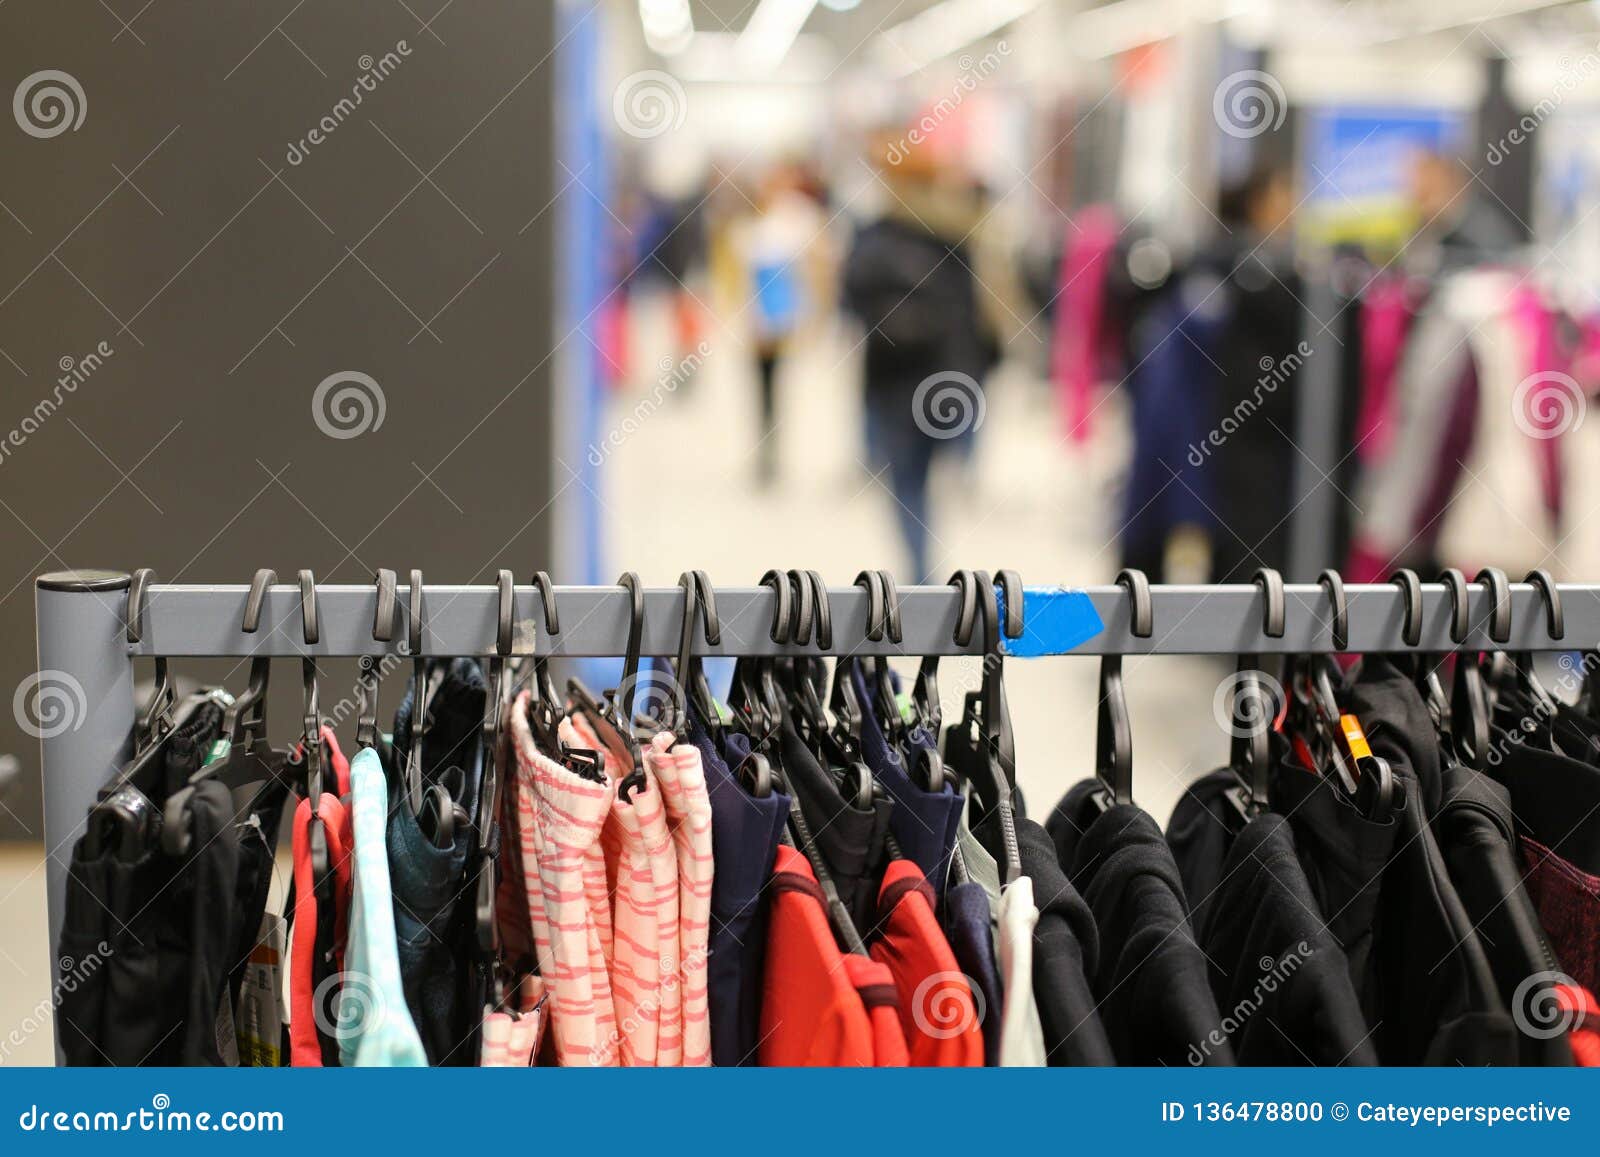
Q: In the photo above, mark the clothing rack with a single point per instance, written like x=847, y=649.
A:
x=86, y=650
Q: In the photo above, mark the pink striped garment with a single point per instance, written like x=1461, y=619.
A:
x=683, y=787
x=645, y=916
x=559, y=818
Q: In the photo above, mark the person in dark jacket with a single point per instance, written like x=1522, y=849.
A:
x=908, y=281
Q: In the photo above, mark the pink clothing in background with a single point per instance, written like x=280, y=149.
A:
x=1082, y=352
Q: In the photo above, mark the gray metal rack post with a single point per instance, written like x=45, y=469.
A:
x=86, y=659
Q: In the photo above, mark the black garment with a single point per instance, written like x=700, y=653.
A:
x=851, y=839
x=923, y=822
x=148, y=971
x=1066, y=952
x=1440, y=1001
x=1276, y=969
x=745, y=832
x=1344, y=855
x=433, y=907
x=1155, y=996
x=1556, y=799
x=1199, y=833
x=969, y=928
x=1477, y=833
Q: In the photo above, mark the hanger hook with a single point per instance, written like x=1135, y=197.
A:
x=383, y=618
x=1143, y=615
x=891, y=606
x=1460, y=611
x=264, y=578
x=963, y=581
x=1010, y=584
x=711, y=622
x=875, y=614
x=1555, y=622
x=629, y=582
x=138, y=602
x=1411, y=587
x=1330, y=581
x=1271, y=584
x=414, y=617
x=781, y=625
x=1494, y=580
x=804, y=612
x=547, y=595
x=819, y=593
x=310, y=627
x=505, y=626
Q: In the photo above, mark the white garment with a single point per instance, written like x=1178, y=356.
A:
x=1021, y=1032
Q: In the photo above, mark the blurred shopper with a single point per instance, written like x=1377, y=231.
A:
x=908, y=280
x=1457, y=227
x=778, y=247
x=1260, y=357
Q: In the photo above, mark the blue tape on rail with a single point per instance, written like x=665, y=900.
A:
x=1055, y=620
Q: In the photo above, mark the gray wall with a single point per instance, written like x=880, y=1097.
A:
x=411, y=245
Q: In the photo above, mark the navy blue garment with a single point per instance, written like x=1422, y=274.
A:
x=744, y=841
x=924, y=822
x=1172, y=389
x=967, y=927
x=432, y=903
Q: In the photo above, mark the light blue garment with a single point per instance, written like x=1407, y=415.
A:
x=374, y=1027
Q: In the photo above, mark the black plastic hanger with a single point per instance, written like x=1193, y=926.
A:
x=430, y=803
x=489, y=799
x=368, y=733
x=1469, y=709
x=123, y=817
x=1113, y=765
x=612, y=716
x=311, y=742
x=1252, y=712
x=249, y=756
x=980, y=748
x=885, y=701
x=925, y=765
x=755, y=694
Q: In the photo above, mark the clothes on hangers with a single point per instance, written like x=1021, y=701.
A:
x=432, y=902
x=681, y=776
x=1011, y=927
x=938, y=1014
x=924, y=823
x=375, y=1025
x=1155, y=994
x=820, y=1006
x=316, y=963
x=745, y=831
x=560, y=816
x=1066, y=952
x=969, y=927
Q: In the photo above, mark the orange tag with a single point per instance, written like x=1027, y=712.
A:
x=1355, y=737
